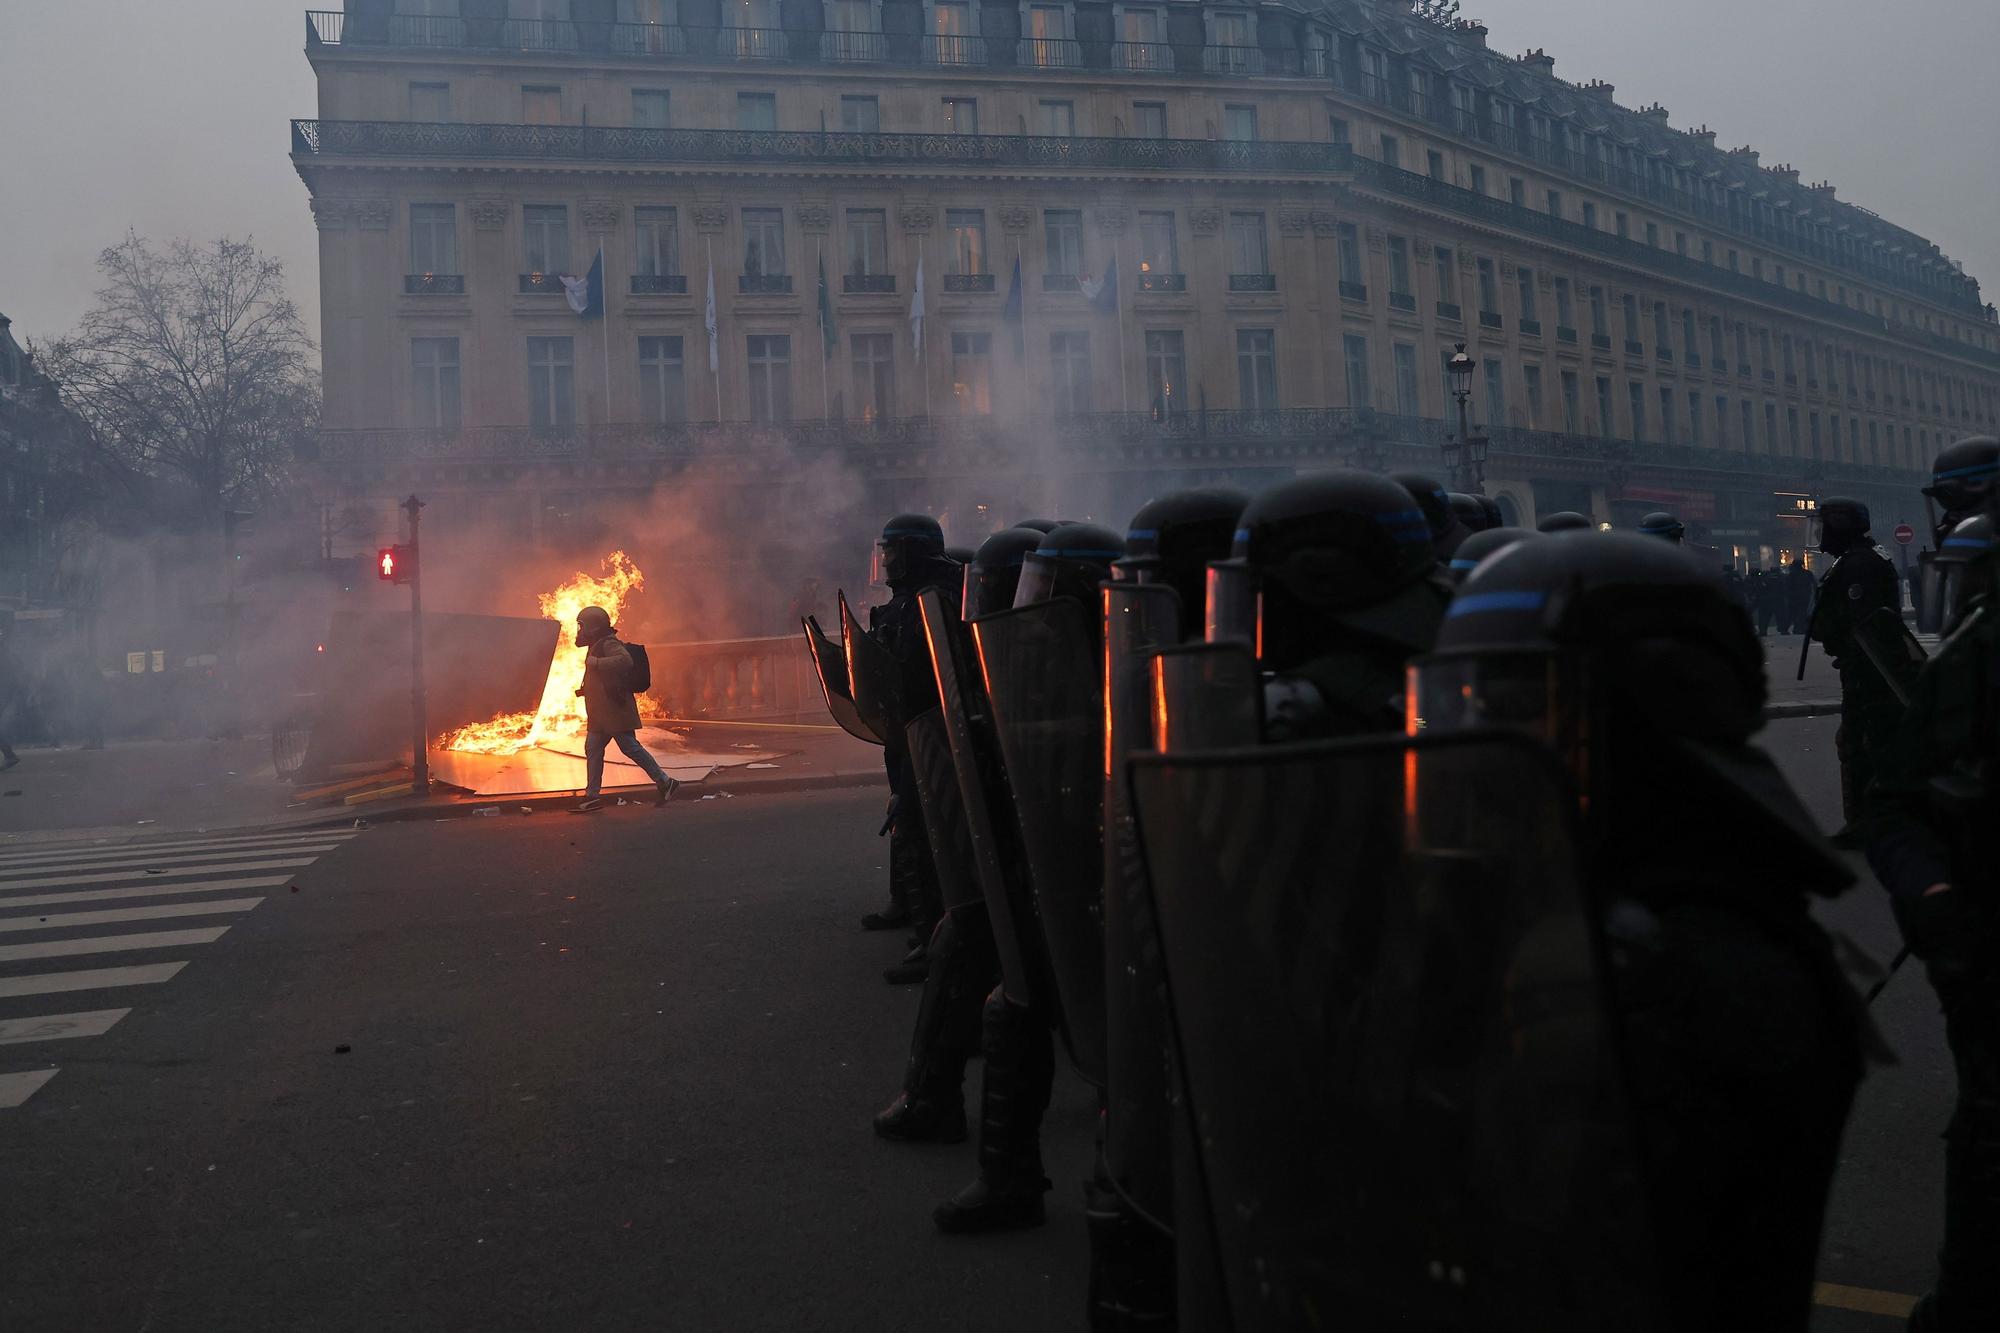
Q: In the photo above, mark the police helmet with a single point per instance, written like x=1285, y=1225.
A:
x=1959, y=576
x=1469, y=511
x=1483, y=546
x=1841, y=523
x=1962, y=476
x=1660, y=523
x=1070, y=561
x=909, y=543
x=994, y=571
x=1038, y=524
x=1431, y=497
x=1173, y=539
x=1565, y=520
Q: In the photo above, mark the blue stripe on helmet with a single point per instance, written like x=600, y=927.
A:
x=1976, y=470
x=1078, y=553
x=1465, y=564
x=1968, y=543
x=1242, y=534
x=1482, y=602
x=1143, y=535
x=908, y=532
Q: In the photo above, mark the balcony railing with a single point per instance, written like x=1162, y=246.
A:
x=1450, y=310
x=541, y=284
x=764, y=284
x=659, y=284
x=1404, y=301
x=1253, y=282
x=1353, y=291
x=1142, y=57
x=968, y=282
x=434, y=284
x=1530, y=327
x=1565, y=334
x=951, y=49
x=1633, y=347
x=1490, y=319
x=1600, y=342
x=1163, y=282
x=853, y=47
x=868, y=282
x=1061, y=282
x=1048, y=53
x=648, y=39
x=753, y=43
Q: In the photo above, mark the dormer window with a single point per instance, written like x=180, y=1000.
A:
x=853, y=31
x=1142, y=38
x=1232, y=43
x=1047, y=37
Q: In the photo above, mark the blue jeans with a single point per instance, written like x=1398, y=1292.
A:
x=594, y=746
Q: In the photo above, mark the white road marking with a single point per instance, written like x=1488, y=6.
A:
x=55, y=1027
x=96, y=978
x=154, y=939
x=143, y=891
x=137, y=875
x=160, y=912
x=17, y=1088
x=273, y=840
x=139, y=864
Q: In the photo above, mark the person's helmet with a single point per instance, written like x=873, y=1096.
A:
x=994, y=571
x=1070, y=561
x=959, y=555
x=910, y=544
x=1491, y=506
x=1173, y=539
x=1470, y=512
x=1038, y=524
x=1565, y=520
x=1960, y=576
x=1842, y=523
x=1322, y=555
x=1431, y=497
x=1962, y=477
x=592, y=624
x=1483, y=546
x=1660, y=523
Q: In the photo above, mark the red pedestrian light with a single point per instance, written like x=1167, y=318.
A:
x=385, y=563
x=395, y=564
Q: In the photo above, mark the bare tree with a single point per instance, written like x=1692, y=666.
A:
x=193, y=367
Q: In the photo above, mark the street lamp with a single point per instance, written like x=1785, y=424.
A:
x=1460, y=370
x=1475, y=457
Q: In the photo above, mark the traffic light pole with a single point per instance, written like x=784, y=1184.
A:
x=420, y=748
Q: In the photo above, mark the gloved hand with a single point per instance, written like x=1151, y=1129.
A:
x=888, y=818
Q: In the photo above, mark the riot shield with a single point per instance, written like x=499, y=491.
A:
x=831, y=666
x=1932, y=613
x=873, y=677
x=944, y=810
x=1891, y=649
x=983, y=793
x=1041, y=669
x=1139, y=618
x=1390, y=1015
x=1206, y=696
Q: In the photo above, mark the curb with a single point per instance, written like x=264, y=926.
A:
x=464, y=807
x=1809, y=708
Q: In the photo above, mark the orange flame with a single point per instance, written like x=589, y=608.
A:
x=558, y=720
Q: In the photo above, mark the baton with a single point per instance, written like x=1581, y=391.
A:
x=1805, y=648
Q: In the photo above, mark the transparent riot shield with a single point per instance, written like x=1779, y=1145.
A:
x=1042, y=673
x=1139, y=619
x=944, y=810
x=1933, y=611
x=1891, y=649
x=983, y=791
x=830, y=664
x=1390, y=1015
x=1206, y=696
x=873, y=677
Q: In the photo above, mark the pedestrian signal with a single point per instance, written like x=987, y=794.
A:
x=395, y=564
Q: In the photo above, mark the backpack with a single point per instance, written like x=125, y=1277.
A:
x=641, y=678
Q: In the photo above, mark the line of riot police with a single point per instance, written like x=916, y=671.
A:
x=1409, y=888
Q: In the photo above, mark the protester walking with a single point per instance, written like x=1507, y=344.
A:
x=610, y=707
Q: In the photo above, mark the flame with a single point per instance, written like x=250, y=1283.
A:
x=558, y=721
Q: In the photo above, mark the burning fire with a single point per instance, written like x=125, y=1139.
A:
x=558, y=721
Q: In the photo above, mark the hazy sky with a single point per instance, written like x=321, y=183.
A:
x=170, y=116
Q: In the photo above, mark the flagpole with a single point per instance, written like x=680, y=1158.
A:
x=1124, y=371
x=825, y=301
x=605, y=315
x=714, y=362
x=1021, y=330
x=923, y=336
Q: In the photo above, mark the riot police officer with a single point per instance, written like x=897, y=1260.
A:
x=1448, y=526
x=1860, y=583
x=1172, y=540
x=1472, y=512
x=1962, y=478
x=1483, y=546
x=1565, y=520
x=1664, y=525
x=1929, y=817
x=1739, y=1034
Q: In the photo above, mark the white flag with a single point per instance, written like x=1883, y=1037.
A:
x=917, y=309
x=708, y=320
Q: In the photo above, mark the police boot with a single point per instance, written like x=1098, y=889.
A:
x=1131, y=1266
x=931, y=1106
x=914, y=967
x=1020, y=1073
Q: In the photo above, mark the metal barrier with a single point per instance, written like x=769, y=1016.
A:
x=737, y=680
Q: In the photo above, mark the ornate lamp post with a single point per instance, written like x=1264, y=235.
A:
x=1457, y=446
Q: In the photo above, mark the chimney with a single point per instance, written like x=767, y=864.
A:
x=1475, y=32
x=1746, y=154
x=1654, y=112
x=1705, y=136
x=1824, y=189
x=1602, y=91
x=1541, y=61
x=1788, y=174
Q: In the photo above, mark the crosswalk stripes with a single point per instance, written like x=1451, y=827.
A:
x=133, y=886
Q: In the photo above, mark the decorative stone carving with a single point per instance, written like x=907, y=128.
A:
x=1293, y=221
x=372, y=214
x=815, y=217
x=1205, y=221
x=1111, y=219
x=489, y=214
x=1016, y=217
x=330, y=214
x=1545, y=281
x=916, y=217
x=1377, y=239
x=710, y=217
x=599, y=214
x=1467, y=262
x=1325, y=222
x=1507, y=270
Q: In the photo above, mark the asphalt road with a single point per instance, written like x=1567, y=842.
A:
x=601, y=1072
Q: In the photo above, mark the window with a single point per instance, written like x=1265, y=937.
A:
x=551, y=389
x=1715, y=340
x=1496, y=392
x=1406, y=380
x=1722, y=421
x=1749, y=426
x=1166, y=372
x=1555, y=201
x=1624, y=225
x=1142, y=34
x=1874, y=441
x=1517, y=192
x=965, y=235
x=861, y=115
x=1570, y=406
x=1338, y=130
x=1392, y=151
x=1057, y=118
x=961, y=115
x=1604, y=422
x=430, y=103
x=1631, y=309
x=1399, y=267
x=1239, y=122
x=1771, y=428
x=867, y=242
x=1247, y=252
x=657, y=247
x=1062, y=230
x=972, y=372
x=1234, y=30
x=541, y=106
x=1158, y=252
x=433, y=238
x=649, y=110
x=1447, y=275
x=1666, y=415
x=1069, y=371
x=1681, y=243
x=1348, y=241
x=1600, y=315
x=1044, y=37
x=753, y=28
x=1652, y=235
x=545, y=234
x=756, y=111
x=1792, y=430
x=434, y=382
x=1687, y=335
x=764, y=243
x=1661, y=342
x=662, y=388
x=874, y=372
x=1355, y=351
x=770, y=357
x=1565, y=306
x=1149, y=120
x=1525, y=292
x=1434, y=164
x=1479, y=180
x=1590, y=215
x=1256, y=369
x=1694, y=417
x=1635, y=394
x=1489, y=289
x=1531, y=380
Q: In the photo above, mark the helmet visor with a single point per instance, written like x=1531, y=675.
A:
x=1515, y=691
x=878, y=567
x=1933, y=607
x=1038, y=580
x=1232, y=604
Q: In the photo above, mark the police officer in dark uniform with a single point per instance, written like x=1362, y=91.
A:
x=1929, y=820
x=1483, y=546
x=1448, y=526
x=1664, y=525
x=1961, y=479
x=1173, y=540
x=1474, y=512
x=1739, y=1033
x=1860, y=582
x=1565, y=520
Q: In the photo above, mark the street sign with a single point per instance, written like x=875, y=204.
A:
x=1905, y=534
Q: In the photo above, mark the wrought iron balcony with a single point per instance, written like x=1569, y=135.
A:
x=1253, y=282
x=752, y=43
x=1162, y=282
x=1530, y=327
x=648, y=39
x=853, y=47
x=434, y=284
x=1143, y=57
x=1490, y=319
x=1664, y=354
x=952, y=49
x=541, y=284
x=1633, y=347
x=1771, y=377
x=1694, y=361
x=1048, y=53
x=868, y=282
x=764, y=284
x=1450, y=310
x=1404, y=301
x=968, y=282
x=1353, y=291
x=659, y=284
x=1061, y=282
x=1600, y=342
x=1565, y=334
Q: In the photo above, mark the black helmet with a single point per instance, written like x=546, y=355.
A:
x=1494, y=518
x=1038, y=524
x=1481, y=547
x=1960, y=575
x=910, y=544
x=959, y=555
x=1842, y=522
x=1070, y=561
x=1173, y=539
x=1962, y=477
x=1342, y=548
x=1565, y=520
x=1430, y=497
x=995, y=571
x=1469, y=511
x=1660, y=523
